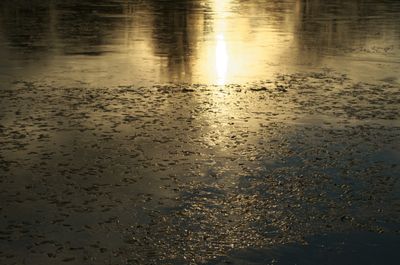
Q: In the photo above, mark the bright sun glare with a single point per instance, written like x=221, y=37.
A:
x=221, y=51
x=221, y=59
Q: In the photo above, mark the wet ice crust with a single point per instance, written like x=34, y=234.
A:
x=184, y=174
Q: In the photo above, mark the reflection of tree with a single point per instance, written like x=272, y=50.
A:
x=80, y=25
x=85, y=25
x=176, y=30
x=25, y=23
x=338, y=25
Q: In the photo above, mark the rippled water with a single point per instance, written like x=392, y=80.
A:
x=214, y=42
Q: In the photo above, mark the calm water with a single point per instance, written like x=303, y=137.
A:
x=118, y=42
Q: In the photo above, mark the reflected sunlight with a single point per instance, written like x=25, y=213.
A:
x=221, y=60
x=221, y=8
x=232, y=48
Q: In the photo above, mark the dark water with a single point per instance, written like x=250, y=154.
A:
x=124, y=140
x=215, y=42
x=346, y=249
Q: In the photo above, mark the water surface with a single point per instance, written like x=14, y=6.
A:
x=296, y=163
x=214, y=42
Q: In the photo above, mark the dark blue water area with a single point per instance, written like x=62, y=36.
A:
x=365, y=248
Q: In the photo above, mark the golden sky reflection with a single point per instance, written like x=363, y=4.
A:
x=221, y=51
x=233, y=49
x=211, y=41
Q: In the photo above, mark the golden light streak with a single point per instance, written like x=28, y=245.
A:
x=221, y=60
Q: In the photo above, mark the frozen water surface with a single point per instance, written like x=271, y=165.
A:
x=199, y=132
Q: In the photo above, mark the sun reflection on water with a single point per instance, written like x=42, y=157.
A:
x=221, y=8
x=232, y=48
x=221, y=60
